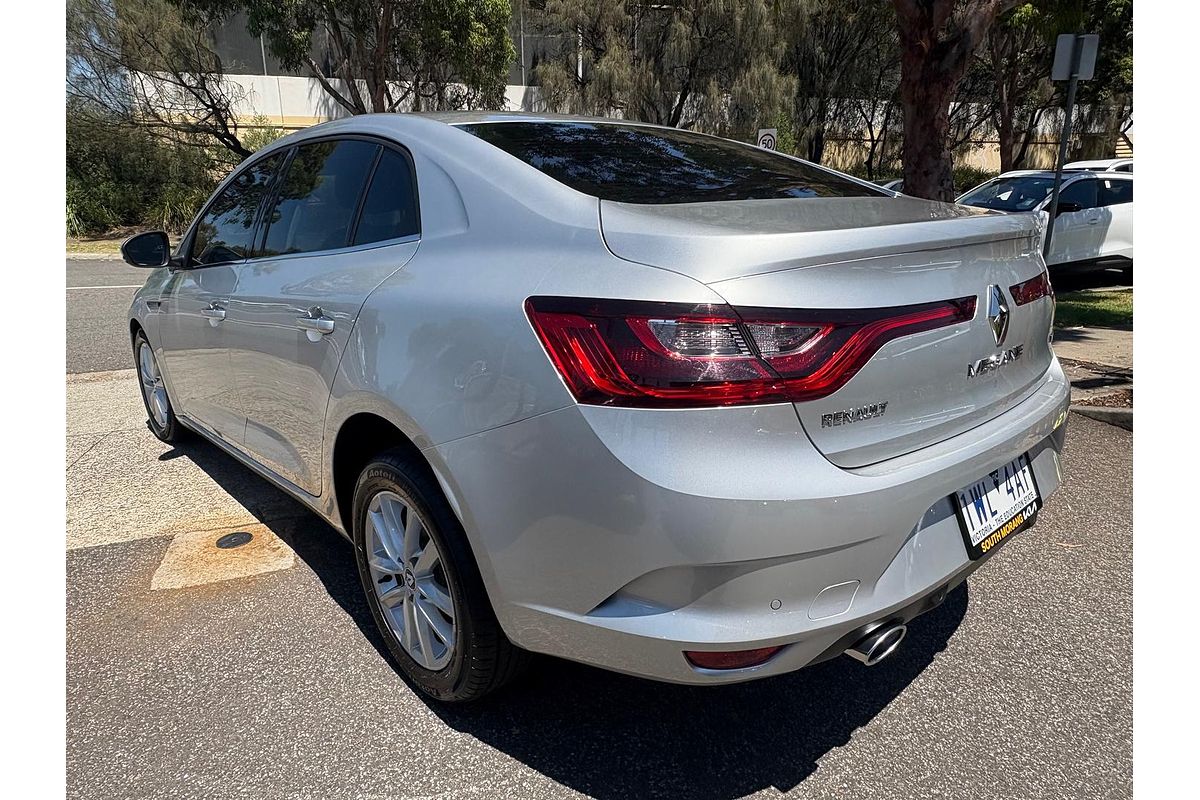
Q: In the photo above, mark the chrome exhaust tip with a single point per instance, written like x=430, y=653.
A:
x=878, y=644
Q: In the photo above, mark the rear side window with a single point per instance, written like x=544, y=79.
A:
x=1081, y=192
x=636, y=164
x=318, y=197
x=390, y=209
x=226, y=232
x=1115, y=192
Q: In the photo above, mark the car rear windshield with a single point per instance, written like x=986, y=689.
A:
x=637, y=164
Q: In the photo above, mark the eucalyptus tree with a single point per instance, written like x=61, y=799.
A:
x=384, y=55
x=141, y=63
x=938, y=39
x=706, y=64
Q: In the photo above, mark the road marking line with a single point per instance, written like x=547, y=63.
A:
x=124, y=286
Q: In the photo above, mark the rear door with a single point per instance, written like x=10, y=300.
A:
x=194, y=332
x=1116, y=199
x=344, y=218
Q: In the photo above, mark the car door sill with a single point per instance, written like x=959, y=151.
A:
x=310, y=501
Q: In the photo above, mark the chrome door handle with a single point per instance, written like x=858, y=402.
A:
x=316, y=324
x=214, y=312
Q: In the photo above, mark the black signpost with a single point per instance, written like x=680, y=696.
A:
x=1074, y=61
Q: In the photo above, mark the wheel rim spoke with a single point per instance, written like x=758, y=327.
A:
x=427, y=559
x=385, y=536
x=384, y=565
x=412, y=536
x=410, y=624
x=433, y=594
x=393, y=596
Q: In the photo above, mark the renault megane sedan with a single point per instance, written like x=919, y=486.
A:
x=647, y=399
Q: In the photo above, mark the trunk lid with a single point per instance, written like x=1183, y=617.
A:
x=857, y=253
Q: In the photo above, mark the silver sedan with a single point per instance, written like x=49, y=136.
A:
x=652, y=400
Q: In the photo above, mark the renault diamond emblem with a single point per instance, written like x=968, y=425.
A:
x=997, y=313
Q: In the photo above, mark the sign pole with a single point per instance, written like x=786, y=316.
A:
x=1065, y=140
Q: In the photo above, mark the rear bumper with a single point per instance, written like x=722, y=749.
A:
x=621, y=537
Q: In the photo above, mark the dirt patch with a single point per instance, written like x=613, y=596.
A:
x=194, y=559
x=1118, y=399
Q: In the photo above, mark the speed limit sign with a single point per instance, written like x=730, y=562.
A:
x=766, y=138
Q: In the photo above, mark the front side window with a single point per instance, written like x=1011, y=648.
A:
x=638, y=164
x=390, y=209
x=318, y=197
x=1114, y=192
x=1021, y=193
x=226, y=232
x=1081, y=192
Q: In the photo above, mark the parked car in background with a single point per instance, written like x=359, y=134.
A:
x=1094, y=228
x=895, y=185
x=1103, y=165
x=648, y=399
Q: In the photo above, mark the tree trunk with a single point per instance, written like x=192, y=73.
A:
x=1007, y=137
x=937, y=40
x=927, y=163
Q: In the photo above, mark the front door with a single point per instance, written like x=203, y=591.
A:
x=297, y=301
x=195, y=344
x=1078, y=235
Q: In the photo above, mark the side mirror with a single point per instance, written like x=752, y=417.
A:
x=1068, y=208
x=151, y=249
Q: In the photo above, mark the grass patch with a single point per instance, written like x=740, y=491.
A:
x=1095, y=309
x=94, y=247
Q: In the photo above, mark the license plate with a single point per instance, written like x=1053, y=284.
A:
x=997, y=506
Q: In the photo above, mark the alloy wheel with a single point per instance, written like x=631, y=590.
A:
x=409, y=581
x=153, y=389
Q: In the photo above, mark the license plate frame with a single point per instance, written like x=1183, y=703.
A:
x=1022, y=511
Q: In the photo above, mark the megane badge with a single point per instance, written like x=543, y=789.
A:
x=997, y=313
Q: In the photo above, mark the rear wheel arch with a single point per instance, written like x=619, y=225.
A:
x=359, y=439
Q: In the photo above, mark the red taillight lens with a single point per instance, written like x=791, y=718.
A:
x=634, y=353
x=730, y=659
x=1032, y=289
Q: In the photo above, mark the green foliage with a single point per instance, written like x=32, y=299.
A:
x=966, y=177
x=711, y=65
x=410, y=53
x=120, y=176
x=259, y=133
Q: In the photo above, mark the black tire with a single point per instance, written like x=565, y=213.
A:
x=170, y=432
x=483, y=659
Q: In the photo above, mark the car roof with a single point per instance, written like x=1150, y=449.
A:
x=480, y=117
x=1100, y=163
x=1068, y=175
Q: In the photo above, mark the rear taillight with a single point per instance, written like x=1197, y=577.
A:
x=1032, y=289
x=634, y=353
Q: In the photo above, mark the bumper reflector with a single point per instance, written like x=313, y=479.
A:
x=730, y=659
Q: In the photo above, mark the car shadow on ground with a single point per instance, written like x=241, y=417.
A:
x=614, y=736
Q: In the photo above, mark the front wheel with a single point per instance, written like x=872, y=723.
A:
x=161, y=415
x=423, y=586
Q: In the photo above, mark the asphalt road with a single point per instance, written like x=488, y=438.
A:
x=199, y=672
x=98, y=295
